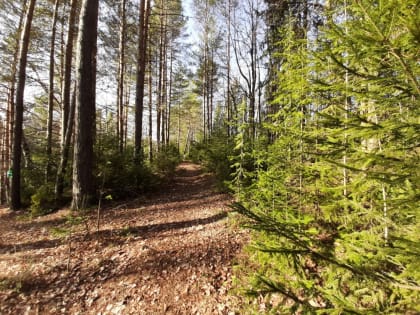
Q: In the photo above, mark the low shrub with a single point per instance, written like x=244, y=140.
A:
x=166, y=160
x=215, y=155
x=43, y=201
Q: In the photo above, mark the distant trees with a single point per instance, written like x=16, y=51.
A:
x=207, y=65
x=57, y=104
x=168, y=28
x=248, y=56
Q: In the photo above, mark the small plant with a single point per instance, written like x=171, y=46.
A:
x=43, y=201
x=20, y=282
x=215, y=156
x=167, y=160
x=14, y=284
x=60, y=232
x=128, y=231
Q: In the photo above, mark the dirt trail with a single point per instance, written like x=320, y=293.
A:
x=167, y=253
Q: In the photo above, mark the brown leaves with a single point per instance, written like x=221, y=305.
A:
x=170, y=254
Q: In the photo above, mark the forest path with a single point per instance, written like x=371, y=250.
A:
x=170, y=252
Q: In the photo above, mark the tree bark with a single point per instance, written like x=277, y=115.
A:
x=169, y=98
x=3, y=168
x=11, y=104
x=67, y=70
x=150, y=106
x=229, y=106
x=121, y=73
x=68, y=106
x=83, y=162
x=59, y=184
x=51, y=92
x=141, y=67
x=164, y=83
x=15, y=202
x=159, y=85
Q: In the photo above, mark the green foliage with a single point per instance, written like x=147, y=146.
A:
x=43, y=200
x=33, y=176
x=73, y=221
x=118, y=174
x=334, y=199
x=18, y=283
x=166, y=160
x=215, y=155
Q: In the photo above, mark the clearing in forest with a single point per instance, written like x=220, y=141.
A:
x=170, y=252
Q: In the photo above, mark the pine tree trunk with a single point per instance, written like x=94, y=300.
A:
x=11, y=105
x=253, y=79
x=68, y=105
x=141, y=63
x=160, y=78
x=204, y=89
x=169, y=98
x=164, y=85
x=83, y=181
x=59, y=184
x=229, y=106
x=15, y=202
x=121, y=73
x=67, y=71
x=3, y=168
x=127, y=103
x=51, y=92
x=212, y=74
x=150, y=107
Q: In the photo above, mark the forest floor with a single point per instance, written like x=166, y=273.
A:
x=169, y=252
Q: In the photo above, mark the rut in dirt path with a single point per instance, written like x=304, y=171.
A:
x=170, y=252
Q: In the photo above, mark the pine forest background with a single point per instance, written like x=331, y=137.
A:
x=306, y=111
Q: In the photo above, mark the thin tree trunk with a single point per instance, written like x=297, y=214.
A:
x=59, y=184
x=62, y=49
x=15, y=202
x=160, y=75
x=141, y=63
x=121, y=73
x=229, y=106
x=26, y=152
x=68, y=106
x=51, y=92
x=3, y=169
x=204, y=91
x=211, y=81
x=127, y=104
x=66, y=90
x=169, y=98
x=207, y=86
x=150, y=106
x=178, y=139
x=253, y=55
x=83, y=181
x=165, y=85
x=11, y=104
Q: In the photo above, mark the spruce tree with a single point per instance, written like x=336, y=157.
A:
x=335, y=203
